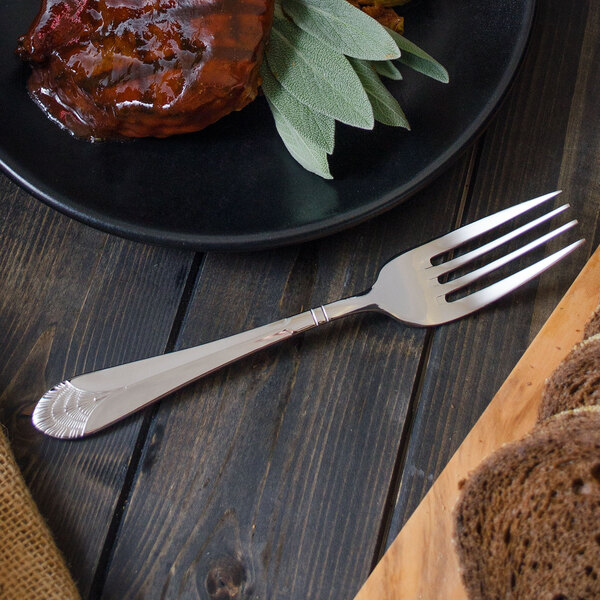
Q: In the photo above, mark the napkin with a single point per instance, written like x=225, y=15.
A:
x=30, y=564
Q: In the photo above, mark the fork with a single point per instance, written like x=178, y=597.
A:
x=408, y=288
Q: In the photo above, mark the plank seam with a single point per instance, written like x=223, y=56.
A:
x=141, y=443
x=413, y=403
x=398, y=468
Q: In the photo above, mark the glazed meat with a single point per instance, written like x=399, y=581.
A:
x=135, y=68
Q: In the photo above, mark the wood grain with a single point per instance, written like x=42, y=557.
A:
x=269, y=478
x=73, y=300
x=422, y=560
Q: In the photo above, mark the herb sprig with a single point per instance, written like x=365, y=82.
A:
x=324, y=63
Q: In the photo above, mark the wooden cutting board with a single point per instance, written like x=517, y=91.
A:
x=421, y=562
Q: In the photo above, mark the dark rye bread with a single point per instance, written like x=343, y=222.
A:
x=575, y=382
x=592, y=327
x=528, y=520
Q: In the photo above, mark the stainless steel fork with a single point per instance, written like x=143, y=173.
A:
x=408, y=288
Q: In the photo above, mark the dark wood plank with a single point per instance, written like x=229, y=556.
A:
x=269, y=479
x=74, y=299
x=545, y=137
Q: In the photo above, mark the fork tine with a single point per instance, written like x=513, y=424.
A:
x=459, y=282
x=460, y=261
x=468, y=232
x=497, y=290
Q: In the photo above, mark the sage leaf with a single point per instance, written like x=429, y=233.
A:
x=385, y=107
x=386, y=68
x=309, y=155
x=317, y=77
x=343, y=28
x=417, y=59
x=316, y=128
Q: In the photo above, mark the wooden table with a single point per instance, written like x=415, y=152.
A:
x=286, y=475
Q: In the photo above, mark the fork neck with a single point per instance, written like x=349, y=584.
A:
x=346, y=306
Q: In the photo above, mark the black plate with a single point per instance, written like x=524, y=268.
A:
x=233, y=186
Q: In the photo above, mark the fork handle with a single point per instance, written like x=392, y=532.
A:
x=90, y=402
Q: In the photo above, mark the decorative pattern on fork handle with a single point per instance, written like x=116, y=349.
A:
x=64, y=410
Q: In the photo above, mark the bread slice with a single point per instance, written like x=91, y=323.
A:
x=575, y=382
x=528, y=520
x=592, y=327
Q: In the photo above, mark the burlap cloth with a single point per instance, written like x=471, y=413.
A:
x=30, y=563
